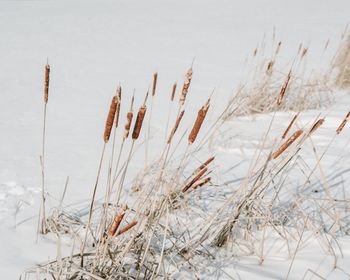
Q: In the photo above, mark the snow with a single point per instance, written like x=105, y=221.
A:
x=91, y=46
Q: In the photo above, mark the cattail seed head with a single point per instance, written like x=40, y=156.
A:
x=128, y=227
x=205, y=164
x=195, y=179
x=129, y=117
x=139, y=121
x=110, y=119
x=173, y=92
x=186, y=86
x=286, y=144
x=46, y=83
x=155, y=77
x=289, y=126
x=116, y=222
x=316, y=126
x=341, y=126
x=199, y=121
x=172, y=133
x=202, y=183
x=284, y=88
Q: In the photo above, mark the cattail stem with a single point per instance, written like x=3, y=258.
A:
x=42, y=214
x=122, y=179
x=290, y=125
x=91, y=206
x=169, y=110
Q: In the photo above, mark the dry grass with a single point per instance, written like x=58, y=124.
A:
x=177, y=216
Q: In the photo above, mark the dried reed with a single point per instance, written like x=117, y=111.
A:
x=316, y=126
x=116, y=222
x=173, y=92
x=205, y=164
x=342, y=125
x=287, y=143
x=284, y=89
x=119, y=99
x=110, y=119
x=155, y=77
x=128, y=227
x=177, y=123
x=199, y=121
x=195, y=179
x=290, y=126
x=186, y=86
x=202, y=183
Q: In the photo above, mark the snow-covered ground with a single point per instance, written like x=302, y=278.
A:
x=93, y=45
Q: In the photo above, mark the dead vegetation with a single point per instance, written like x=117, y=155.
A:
x=168, y=224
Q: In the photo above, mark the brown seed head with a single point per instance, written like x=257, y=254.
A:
x=110, y=119
x=199, y=121
x=341, y=126
x=116, y=223
x=286, y=144
x=195, y=179
x=155, y=77
x=173, y=92
x=128, y=227
x=284, y=89
x=205, y=164
x=186, y=86
x=139, y=121
x=316, y=126
x=46, y=83
x=202, y=183
x=289, y=126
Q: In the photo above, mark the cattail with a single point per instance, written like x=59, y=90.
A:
x=316, y=126
x=129, y=117
x=326, y=45
x=195, y=179
x=199, y=121
x=110, y=119
x=46, y=83
x=178, y=120
x=186, y=85
x=202, y=183
x=173, y=92
x=304, y=52
x=155, y=77
x=289, y=142
x=116, y=222
x=205, y=164
x=278, y=47
x=128, y=227
x=255, y=52
x=284, y=89
x=269, y=67
x=139, y=121
x=119, y=99
x=289, y=126
x=341, y=126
